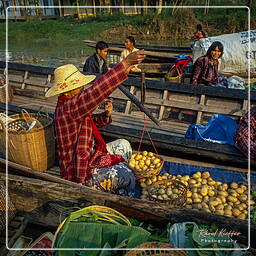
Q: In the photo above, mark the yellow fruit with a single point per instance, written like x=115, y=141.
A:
x=131, y=165
x=141, y=164
x=154, y=179
x=132, y=161
x=148, y=182
x=144, y=153
x=144, y=158
x=138, y=157
x=205, y=175
x=144, y=168
x=133, y=156
x=234, y=185
x=148, y=162
x=137, y=167
x=199, y=174
x=156, y=161
x=158, y=165
x=150, y=154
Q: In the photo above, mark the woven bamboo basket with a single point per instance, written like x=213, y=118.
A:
x=33, y=148
x=155, y=249
x=181, y=188
x=146, y=174
x=10, y=208
x=82, y=212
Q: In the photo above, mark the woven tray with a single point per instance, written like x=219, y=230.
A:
x=147, y=174
x=155, y=252
x=182, y=191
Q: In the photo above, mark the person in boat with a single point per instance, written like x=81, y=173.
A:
x=83, y=154
x=129, y=44
x=205, y=69
x=97, y=62
x=199, y=34
x=242, y=134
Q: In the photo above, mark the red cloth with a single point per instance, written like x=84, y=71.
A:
x=73, y=125
x=101, y=158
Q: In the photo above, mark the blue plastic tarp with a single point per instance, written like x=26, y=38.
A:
x=220, y=129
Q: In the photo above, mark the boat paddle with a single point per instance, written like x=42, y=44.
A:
x=138, y=104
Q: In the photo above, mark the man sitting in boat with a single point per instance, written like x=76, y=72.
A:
x=81, y=148
x=242, y=134
x=97, y=63
x=205, y=69
x=129, y=44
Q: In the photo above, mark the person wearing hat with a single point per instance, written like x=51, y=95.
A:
x=80, y=145
x=97, y=63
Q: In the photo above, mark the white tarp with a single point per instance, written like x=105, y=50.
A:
x=236, y=51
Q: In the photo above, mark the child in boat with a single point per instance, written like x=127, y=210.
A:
x=81, y=147
x=199, y=34
x=129, y=44
x=242, y=134
x=97, y=62
x=205, y=69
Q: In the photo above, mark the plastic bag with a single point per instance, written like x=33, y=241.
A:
x=220, y=129
x=236, y=51
x=189, y=235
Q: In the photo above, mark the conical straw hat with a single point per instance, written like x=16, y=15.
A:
x=67, y=78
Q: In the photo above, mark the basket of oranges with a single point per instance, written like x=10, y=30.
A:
x=145, y=164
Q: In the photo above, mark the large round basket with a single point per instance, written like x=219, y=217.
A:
x=165, y=184
x=146, y=174
x=155, y=249
x=33, y=148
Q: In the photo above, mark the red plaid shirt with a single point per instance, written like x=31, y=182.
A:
x=241, y=136
x=73, y=126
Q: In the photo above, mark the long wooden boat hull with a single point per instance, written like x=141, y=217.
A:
x=162, y=98
x=171, y=49
x=152, y=56
x=28, y=194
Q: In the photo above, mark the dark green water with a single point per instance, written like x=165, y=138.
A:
x=54, y=53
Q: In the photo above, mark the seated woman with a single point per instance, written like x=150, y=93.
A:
x=205, y=69
x=129, y=44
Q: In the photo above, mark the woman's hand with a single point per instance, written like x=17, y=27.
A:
x=133, y=59
x=108, y=107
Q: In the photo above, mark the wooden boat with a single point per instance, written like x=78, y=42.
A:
x=152, y=55
x=157, y=48
x=30, y=192
x=31, y=82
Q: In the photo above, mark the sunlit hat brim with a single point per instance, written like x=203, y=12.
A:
x=75, y=81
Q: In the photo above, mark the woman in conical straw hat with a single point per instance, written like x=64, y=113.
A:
x=80, y=145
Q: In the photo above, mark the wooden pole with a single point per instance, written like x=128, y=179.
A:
x=78, y=12
x=60, y=10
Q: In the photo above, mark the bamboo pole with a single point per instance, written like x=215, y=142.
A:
x=14, y=9
x=78, y=11
x=60, y=10
x=94, y=8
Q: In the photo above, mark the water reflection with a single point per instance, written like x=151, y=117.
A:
x=53, y=53
x=46, y=52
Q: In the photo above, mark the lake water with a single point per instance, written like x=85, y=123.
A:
x=55, y=53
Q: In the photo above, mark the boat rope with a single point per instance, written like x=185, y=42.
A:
x=142, y=135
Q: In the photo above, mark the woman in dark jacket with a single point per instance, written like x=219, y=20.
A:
x=205, y=70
